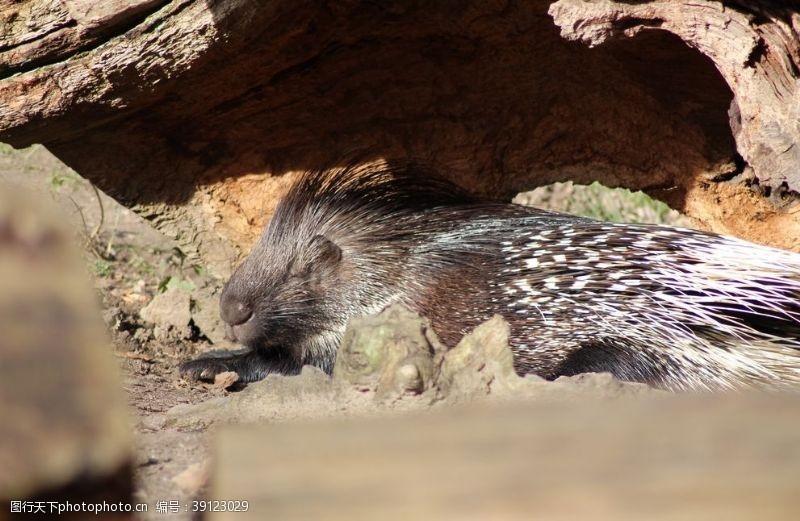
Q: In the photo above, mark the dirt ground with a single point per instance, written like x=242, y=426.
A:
x=160, y=308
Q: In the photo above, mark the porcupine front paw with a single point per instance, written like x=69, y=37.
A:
x=202, y=369
x=247, y=363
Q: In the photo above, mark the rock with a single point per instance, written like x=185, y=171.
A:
x=226, y=379
x=194, y=477
x=170, y=312
x=391, y=353
x=205, y=315
x=139, y=287
x=482, y=362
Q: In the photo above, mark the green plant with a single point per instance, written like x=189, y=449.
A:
x=103, y=268
x=170, y=282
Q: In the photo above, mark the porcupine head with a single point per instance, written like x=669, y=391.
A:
x=314, y=267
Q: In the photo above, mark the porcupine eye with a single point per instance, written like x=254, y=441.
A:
x=320, y=257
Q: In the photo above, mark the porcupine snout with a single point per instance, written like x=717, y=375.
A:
x=237, y=313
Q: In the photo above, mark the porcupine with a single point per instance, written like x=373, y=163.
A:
x=676, y=308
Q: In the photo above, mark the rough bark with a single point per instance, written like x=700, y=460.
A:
x=198, y=113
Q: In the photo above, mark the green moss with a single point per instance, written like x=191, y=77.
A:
x=62, y=179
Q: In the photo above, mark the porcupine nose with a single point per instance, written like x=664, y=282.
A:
x=233, y=310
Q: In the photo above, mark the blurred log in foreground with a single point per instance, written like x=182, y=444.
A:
x=64, y=434
x=199, y=113
x=676, y=458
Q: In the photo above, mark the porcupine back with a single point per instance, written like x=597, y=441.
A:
x=675, y=307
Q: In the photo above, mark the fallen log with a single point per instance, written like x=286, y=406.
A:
x=198, y=114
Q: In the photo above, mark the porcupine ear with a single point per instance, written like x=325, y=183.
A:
x=320, y=253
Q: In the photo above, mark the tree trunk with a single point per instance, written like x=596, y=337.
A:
x=199, y=113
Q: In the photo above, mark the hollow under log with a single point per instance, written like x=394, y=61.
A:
x=199, y=113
